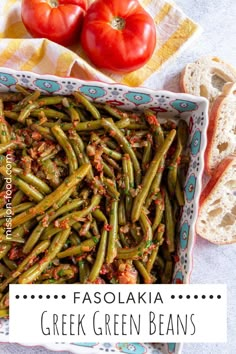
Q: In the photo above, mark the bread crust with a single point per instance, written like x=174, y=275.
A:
x=214, y=116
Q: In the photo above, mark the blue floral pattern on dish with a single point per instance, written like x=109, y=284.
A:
x=47, y=85
x=190, y=187
x=184, y=106
x=178, y=278
x=89, y=345
x=171, y=348
x=92, y=91
x=184, y=234
x=7, y=79
x=196, y=143
x=130, y=348
x=138, y=98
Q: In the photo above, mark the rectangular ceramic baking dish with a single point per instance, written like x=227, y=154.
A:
x=168, y=105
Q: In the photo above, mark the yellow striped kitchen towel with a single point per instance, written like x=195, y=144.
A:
x=18, y=50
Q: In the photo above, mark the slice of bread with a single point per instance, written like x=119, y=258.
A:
x=221, y=133
x=206, y=77
x=217, y=208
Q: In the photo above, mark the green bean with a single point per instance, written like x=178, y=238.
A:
x=107, y=170
x=25, y=112
x=62, y=271
x=94, y=228
x=26, y=101
x=83, y=271
x=4, y=249
x=9, y=263
x=149, y=176
x=148, y=279
x=4, y=271
x=99, y=216
x=182, y=138
x=33, y=238
x=74, y=239
x=112, y=111
x=122, y=211
x=111, y=188
x=172, y=173
x=120, y=208
x=72, y=218
x=65, y=144
x=4, y=301
x=53, y=281
x=83, y=247
x=4, y=129
x=155, y=186
x=80, y=98
x=85, y=228
x=52, y=198
x=109, y=125
x=11, y=96
x=159, y=209
x=33, y=180
x=152, y=120
x=112, y=163
x=12, y=145
x=179, y=193
x=124, y=123
x=17, y=198
x=22, y=230
x=138, y=251
x=112, y=235
x=4, y=313
x=65, y=198
x=45, y=132
x=111, y=144
x=75, y=138
x=49, y=113
x=147, y=155
x=170, y=226
x=27, y=189
x=135, y=233
x=33, y=272
x=81, y=126
x=12, y=115
x=136, y=126
x=51, y=171
x=157, y=240
x=49, y=100
x=35, y=104
x=111, y=153
x=73, y=113
x=183, y=133
x=129, y=199
x=74, y=204
x=168, y=272
x=17, y=209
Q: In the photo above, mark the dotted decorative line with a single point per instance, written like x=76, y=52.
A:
x=195, y=297
x=39, y=296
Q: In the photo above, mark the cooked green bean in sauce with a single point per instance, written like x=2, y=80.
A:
x=95, y=192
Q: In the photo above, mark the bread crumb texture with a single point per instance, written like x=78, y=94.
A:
x=224, y=140
x=206, y=77
x=217, y=215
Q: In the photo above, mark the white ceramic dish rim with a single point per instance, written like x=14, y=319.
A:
x=204, y=106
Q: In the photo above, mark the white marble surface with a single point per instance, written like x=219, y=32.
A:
x=212, y=264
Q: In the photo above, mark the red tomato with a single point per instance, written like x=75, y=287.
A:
x=118, y=35
x=57, y=20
